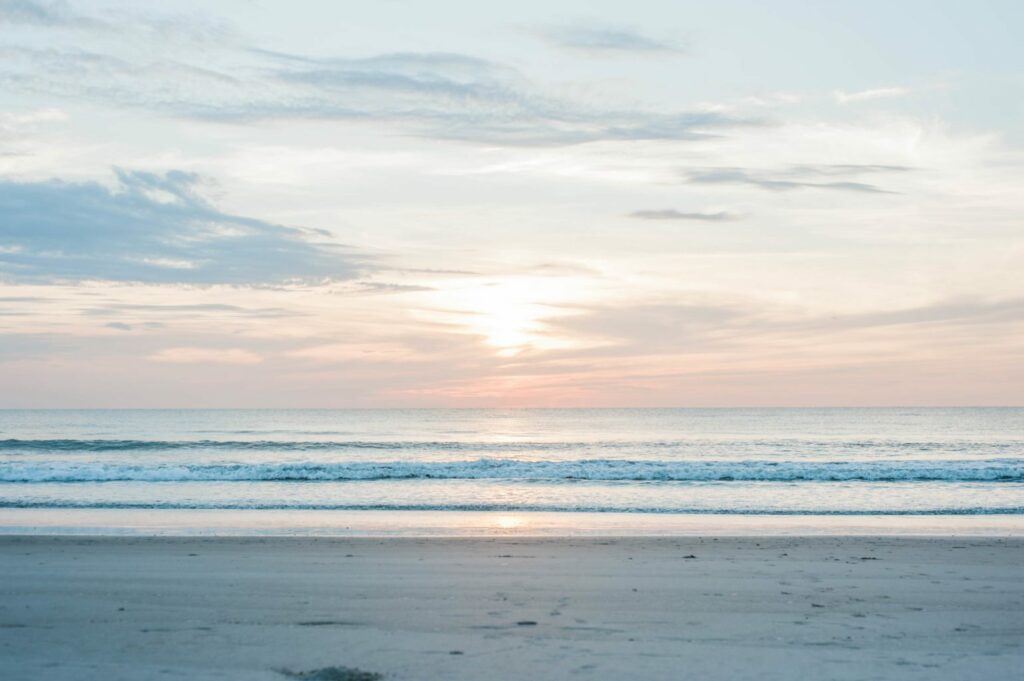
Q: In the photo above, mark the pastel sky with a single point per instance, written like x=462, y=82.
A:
x=325, y=204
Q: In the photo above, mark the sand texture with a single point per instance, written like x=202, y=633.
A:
x=104, y=609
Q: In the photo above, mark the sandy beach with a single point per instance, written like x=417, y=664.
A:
x=511, y=608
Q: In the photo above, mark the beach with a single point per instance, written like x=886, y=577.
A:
x=534, y=341
x=479, y=545
x=713, y=607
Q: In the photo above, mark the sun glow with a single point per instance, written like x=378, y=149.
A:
x=511, y=314
x=509, y=522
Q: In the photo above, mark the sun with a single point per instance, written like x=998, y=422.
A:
x=509, y=317
x=511, y=314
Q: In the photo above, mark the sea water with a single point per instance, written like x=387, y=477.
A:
x=778, y=462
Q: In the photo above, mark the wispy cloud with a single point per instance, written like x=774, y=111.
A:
x=434, y=94
x=153, y=228
x=59, y=14
x=124, y=326
x=606, y=40
x=191, y=310
x=398, y=84
x=784, y=181
x=190, y=355
x=832, y=169
x=564, y=269
x=380, y=351
x=672, y=214
x=655, y=327
x=380, y=288
x=950, y=312
x=844, y=97
x=42, y=13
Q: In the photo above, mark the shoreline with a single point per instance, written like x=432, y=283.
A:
x=716, y=608
x=441, y=524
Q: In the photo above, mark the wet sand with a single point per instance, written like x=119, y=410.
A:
x=789, y=607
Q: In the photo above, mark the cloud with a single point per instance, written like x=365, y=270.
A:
x=380, y=351
x=436, y=74
x=564, y=269
x=830, y=169
x=36, y=13
x=432, y=94
x=655, y=327
x=187, y=355
x=779, y=182
x=16, y=134
x=568, y=128
x=23, y=299
x=865, y=95
x=58, y=14
x=153, y=228
x=703, y=324
x=121, y=326
x=955, y=311
x=749, y=334
x=457, y=97
x=218, y=309
x=381, y=287
x=596, y=40
x=671, y=214
x=436, y=271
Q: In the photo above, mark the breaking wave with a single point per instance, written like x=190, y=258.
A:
x=988, y=470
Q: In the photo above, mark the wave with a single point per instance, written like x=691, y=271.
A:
x=508, y=508
x=989, y=470
x=784, y=445
x=71, y=445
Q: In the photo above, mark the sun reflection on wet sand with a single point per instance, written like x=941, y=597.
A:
x=509, y=522
x=473, y=524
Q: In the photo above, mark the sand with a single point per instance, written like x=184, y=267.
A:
x=762, y=608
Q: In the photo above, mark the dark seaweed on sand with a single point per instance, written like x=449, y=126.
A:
x=333, y=674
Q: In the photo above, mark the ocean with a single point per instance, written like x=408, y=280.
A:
x=883, y=461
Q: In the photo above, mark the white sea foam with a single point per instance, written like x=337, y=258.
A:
x=957, y=470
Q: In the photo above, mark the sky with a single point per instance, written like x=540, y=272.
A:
x=247, y=203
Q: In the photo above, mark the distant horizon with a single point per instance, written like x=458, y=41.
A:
x=526, y=408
